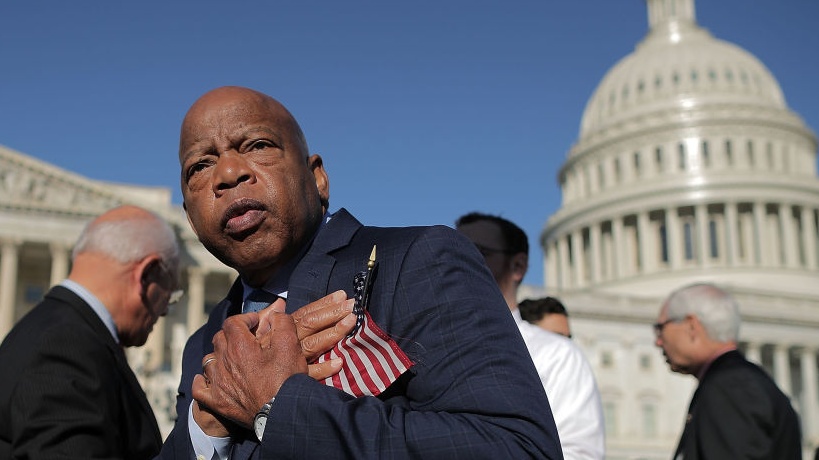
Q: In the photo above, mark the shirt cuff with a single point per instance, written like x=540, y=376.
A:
x=207, y=447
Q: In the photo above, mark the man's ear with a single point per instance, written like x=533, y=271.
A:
x=519, y=265
x=316, y=165
x=695, y=327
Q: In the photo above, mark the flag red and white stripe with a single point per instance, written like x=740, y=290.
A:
x=372, y=361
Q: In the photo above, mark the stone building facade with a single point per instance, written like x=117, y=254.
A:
x=689, y=167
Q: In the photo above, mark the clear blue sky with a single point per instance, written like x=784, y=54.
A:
x=422, y=110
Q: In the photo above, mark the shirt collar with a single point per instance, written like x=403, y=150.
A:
x=94, y=303
x=279, y=282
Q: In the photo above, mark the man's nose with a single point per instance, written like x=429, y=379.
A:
x=232, y=169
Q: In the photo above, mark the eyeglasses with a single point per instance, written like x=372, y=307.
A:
x=658, y=327
x=176, y=294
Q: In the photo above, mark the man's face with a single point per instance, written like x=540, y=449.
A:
x=672, y=335
x=488, y=238
x=251, y=193
x=557, y=323
x=156, y=287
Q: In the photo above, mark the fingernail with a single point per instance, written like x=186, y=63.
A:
x=348, y=320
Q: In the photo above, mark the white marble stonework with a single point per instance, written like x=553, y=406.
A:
x=689, y=167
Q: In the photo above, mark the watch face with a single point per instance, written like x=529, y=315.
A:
x=258, y=425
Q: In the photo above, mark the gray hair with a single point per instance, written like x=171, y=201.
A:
x=129, y=239
x=716, y=309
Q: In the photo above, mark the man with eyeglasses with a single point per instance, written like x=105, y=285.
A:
x=564, y=371
x=67, y=390
x=737, y=411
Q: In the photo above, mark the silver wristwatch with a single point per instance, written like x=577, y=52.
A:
x=261, y=419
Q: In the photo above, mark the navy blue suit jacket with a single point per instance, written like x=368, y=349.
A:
x=473, y=391
x=67, y=390
x=738, y=412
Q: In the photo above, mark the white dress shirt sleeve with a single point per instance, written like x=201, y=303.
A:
x=207, y=447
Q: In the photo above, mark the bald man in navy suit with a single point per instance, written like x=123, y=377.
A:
x=460, y=384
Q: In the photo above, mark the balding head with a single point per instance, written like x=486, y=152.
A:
x=253, y=194
x=214, y=105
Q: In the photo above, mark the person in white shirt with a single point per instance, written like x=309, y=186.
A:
x=564, y=371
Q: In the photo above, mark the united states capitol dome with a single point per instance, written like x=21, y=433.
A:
x=678, y=72
x=688, y=164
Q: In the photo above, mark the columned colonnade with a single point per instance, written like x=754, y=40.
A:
x=701, y=235
x=794, y=368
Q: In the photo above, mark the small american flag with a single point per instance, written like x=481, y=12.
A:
x=372, y=360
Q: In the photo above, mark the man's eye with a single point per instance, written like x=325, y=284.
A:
x=195, y=168
x=260, y=144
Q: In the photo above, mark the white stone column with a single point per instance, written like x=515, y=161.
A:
x=810, y=400
x=154, y=347
x=809, y=236
x=731, y=235
x=644, y=238
x=565, y=269
x=594, y=248
x=674, y=243
x=703, y=242
x=578, y=257
x=9, y=255
x=789, y=236
x=752, y=353
x=551, y=254
x=59, y=262
x=618, y=248
x=196, y=299
x=760, y=235
x=782, y=368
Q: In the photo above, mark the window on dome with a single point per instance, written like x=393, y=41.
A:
x=688, y=237
x=751, y=159
x=713, y=236
x=694, y=76
x=625, y=92
x=658, y=82
x=618, y=175
x=729, y=156
x=744, y=77
x=712, y=74
x=682, y=156
x=641, y=87
x=706, y=158
x=637, y=171
x=729, y=75
x=658, y=158
x=675, y=77
x=663, y=243
x=601, y=176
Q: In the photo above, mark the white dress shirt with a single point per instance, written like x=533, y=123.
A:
x=570, y=385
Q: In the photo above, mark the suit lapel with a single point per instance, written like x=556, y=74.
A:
x=311, y=277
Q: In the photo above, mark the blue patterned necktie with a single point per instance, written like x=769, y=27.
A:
x=258, y=299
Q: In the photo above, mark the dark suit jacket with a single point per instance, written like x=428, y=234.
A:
x=472, y=393
x=738, y=412
x=67, y=390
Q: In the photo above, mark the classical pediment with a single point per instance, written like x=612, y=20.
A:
x=27, y=183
